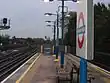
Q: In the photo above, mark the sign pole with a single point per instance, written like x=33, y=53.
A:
x=83, y=70
x=54, y=38
x=62, y=46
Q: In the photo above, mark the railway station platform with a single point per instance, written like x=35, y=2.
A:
x=38, y=69
x=41, y=68
x=43, y=71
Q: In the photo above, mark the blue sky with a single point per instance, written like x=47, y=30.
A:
x=27, y=16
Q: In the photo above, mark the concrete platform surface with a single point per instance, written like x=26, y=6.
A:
x=43, y=71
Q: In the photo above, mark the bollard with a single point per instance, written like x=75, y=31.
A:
x=65, y=49
x=41, y=48
x=53, y=51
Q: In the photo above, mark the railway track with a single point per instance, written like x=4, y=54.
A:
x=101, y=57
x=102, y=60
x=11, y=62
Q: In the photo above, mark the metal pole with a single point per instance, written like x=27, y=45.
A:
x=57, y=43
x=54, y=36
x=62, y=49
x=83, y=70
x=62, y=20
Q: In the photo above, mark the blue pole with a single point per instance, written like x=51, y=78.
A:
x=83, y=70
x=62, y=59
x=57, y=51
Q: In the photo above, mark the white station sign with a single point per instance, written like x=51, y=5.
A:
x=85, y=29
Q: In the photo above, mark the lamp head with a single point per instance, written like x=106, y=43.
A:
x=48, y=21
x=48, y=14
x=47, y=0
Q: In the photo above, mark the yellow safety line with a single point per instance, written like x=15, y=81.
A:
x=56, y=60
x=102, y=71
x=22, y=76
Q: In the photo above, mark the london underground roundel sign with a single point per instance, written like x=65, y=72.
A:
x=81, y=30
x=85, y=30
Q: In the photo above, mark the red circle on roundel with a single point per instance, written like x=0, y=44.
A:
x=80, y=42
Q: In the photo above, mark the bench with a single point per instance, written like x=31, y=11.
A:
x=67, y=77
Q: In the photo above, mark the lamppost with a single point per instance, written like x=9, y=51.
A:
x=62, y=50
x=57, y=21
x=56, y=49
x=57, y=17
x=62, y=43
x=54, y=42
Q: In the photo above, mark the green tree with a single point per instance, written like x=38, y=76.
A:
x=102, y=25
x=4, y=39
x=70, y=36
